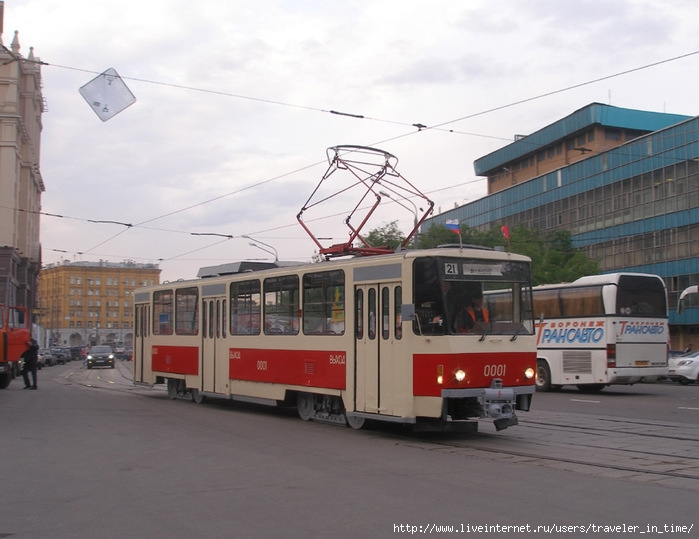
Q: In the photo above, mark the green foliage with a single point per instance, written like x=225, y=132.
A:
x=386, y=235
x=554, y=257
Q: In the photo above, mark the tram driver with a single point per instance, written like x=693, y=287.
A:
x=474, y=313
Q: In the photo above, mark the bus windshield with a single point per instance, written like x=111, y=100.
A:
x=640, y=296
x=472, y=296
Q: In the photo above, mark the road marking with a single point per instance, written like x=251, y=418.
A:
x=686, y=408
x=584, y=400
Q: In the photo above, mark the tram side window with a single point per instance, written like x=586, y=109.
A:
x=371, y=309
x=359, y=314
x=162, y=312
x=281, y=305
x=324, y=303
x=385, y=313
x=398, y=302
x=428, y=298
x=187, y=311
x=246, y=308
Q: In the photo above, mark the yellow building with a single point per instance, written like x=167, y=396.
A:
x=88, y=303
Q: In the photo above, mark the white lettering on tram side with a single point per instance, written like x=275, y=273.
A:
x=337, y=359
x=234, y=354
x=629, y=327
x=262, y=365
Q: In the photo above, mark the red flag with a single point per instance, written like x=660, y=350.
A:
x=505, y=231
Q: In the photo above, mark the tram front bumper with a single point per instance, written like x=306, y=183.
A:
x=497, y=403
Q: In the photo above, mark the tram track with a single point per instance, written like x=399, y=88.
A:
x=622, y=449
x=601, y=446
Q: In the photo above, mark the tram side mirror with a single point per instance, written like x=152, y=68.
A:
x=407, y=312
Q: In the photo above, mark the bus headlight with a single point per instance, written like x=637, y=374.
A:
x=460, y=375
x=529, y=373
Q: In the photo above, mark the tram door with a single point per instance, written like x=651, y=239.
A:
x=375, y=350
x=142, y=332
x=214, y=361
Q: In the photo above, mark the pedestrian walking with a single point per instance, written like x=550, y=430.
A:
x=31, y=358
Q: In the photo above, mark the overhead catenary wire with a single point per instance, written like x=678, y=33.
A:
x=420, y=127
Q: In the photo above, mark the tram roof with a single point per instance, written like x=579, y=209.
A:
x=249, y=266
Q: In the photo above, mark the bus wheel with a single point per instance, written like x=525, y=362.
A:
x=305, y=406
x=354, y=421
x=543, y=376
x=172, y=387
x=5, y=380
x=197, y=397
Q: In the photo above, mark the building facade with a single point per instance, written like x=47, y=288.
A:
x=21, y=185
x=625, y=183
x=89, y=303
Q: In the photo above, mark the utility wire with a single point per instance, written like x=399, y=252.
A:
x=420, y=127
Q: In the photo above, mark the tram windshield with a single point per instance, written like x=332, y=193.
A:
x=459, y=296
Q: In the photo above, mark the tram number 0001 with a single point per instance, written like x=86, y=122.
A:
x=494, y=370
x=262, y=365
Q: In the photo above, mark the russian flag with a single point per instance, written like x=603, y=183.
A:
x=453, y=225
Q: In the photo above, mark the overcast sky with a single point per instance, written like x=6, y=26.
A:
x=231, y=124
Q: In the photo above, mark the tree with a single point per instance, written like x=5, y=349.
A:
x=386, y=235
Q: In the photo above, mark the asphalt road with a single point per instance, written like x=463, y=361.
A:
x=89, y=455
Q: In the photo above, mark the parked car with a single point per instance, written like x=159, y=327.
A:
x=100, y=356
x=684, y=369
x=46, y=357
x=58, y=353
x=78, y=353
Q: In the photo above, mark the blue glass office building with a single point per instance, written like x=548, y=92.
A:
x=624, y=182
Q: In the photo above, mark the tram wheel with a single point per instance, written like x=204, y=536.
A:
x=354, y=421
x=172, y=387
x=197, y=397
x=543, y=376
x=305, y=406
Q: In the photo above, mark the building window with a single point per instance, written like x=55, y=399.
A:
x=612, y=134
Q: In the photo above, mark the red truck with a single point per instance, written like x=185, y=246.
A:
x=15, y=331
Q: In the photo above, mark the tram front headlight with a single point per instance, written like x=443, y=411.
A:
x=440, y=374
x=460, y=375
x=529, y=373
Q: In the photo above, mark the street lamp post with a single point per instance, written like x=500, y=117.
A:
x=255, y=242
x=414, y=212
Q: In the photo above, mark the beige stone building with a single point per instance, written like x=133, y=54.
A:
x=21, y=185
x=88, y=303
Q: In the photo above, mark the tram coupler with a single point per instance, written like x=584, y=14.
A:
x=504, y=422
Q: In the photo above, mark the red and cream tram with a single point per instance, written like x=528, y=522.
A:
x=367, y=338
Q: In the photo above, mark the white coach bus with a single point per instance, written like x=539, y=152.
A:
x=601, y=330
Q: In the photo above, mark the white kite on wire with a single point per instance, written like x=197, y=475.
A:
x=107, y=94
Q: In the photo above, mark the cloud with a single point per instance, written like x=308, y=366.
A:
x=232, y=119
